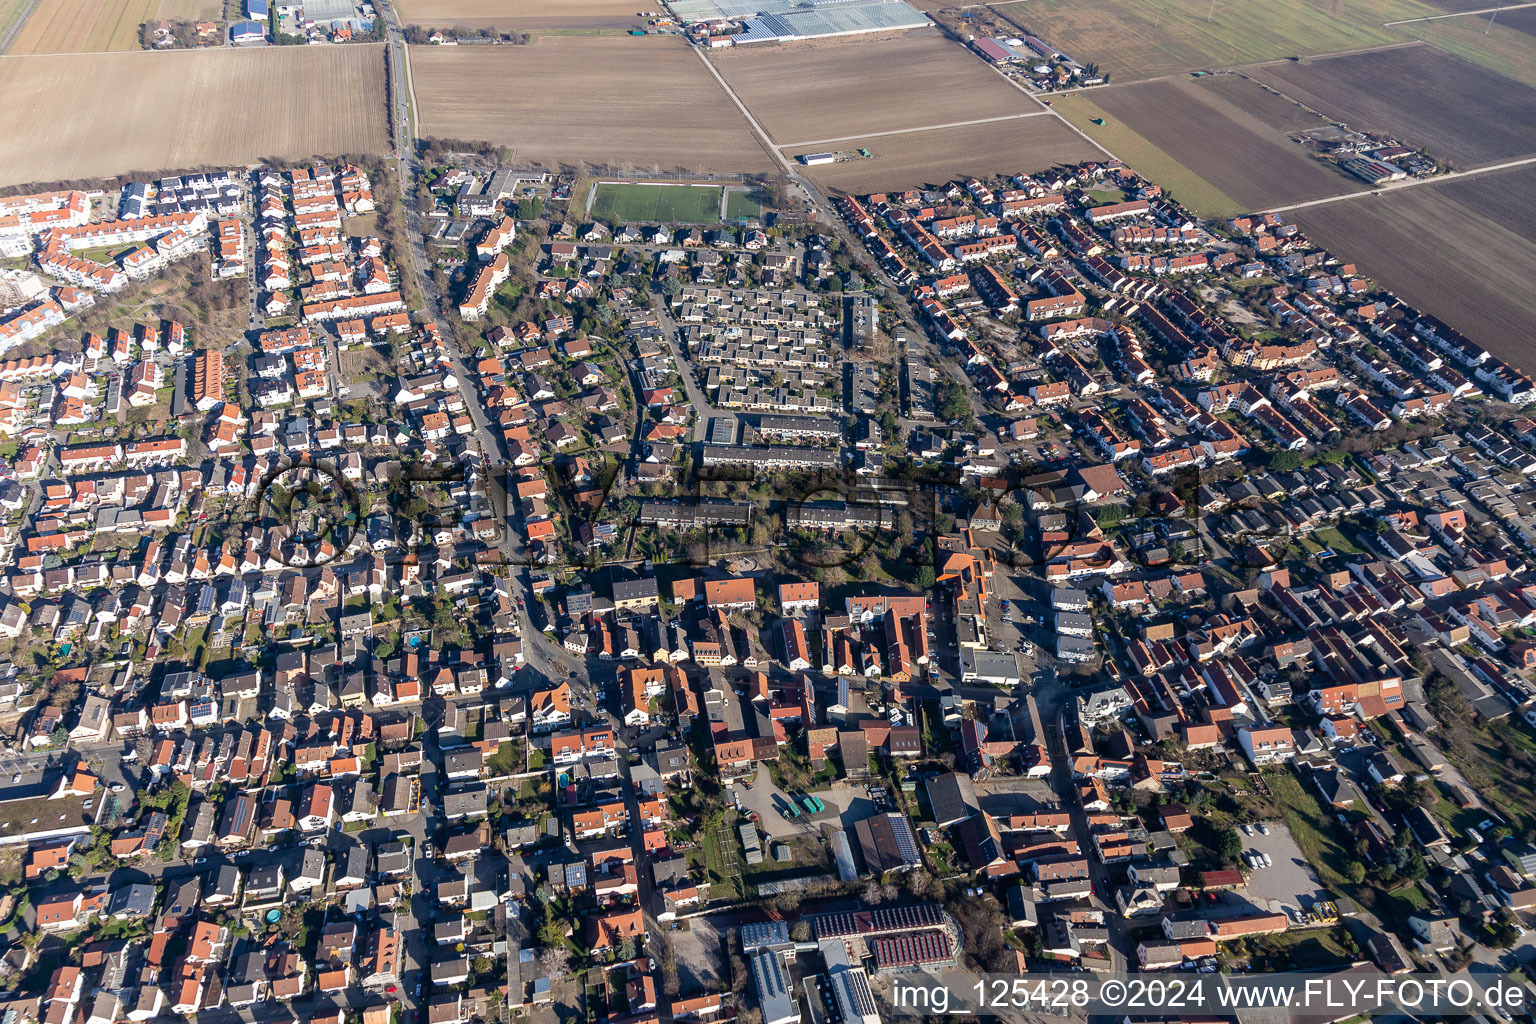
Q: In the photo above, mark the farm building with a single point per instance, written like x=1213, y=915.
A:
x=322, y=11
x=817, y=159
x=247, y=33
x=998, y=51
x=257, y=10
x=1375, y=172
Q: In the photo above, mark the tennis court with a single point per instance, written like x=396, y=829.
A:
x=668, y=204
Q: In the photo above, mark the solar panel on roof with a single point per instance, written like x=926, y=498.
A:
x=910, y=950
x=906, y=842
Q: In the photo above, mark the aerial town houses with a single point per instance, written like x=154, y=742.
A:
x=1275, y=563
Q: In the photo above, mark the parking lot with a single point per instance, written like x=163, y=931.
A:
x=1291, y=883
x=846, y=804
x=699, y=950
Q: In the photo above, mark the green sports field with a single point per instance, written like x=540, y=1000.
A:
x=744, y=203
x=672, y=204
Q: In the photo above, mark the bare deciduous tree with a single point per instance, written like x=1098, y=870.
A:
x=555, y=962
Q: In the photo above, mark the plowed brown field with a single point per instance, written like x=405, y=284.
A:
x=98, y=115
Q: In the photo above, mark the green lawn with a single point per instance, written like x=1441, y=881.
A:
x=671, y=204
x=1300, y=950
x=723, y=861
x=1407, y=900
x=1146, y=157
x=1318, y=835
x=196, y=644
x=743, y=203
x=1331, y=537
x=1104, y=196
x=1498, y=758
x=808, y=857
x=1457, y=819
x=503, y=762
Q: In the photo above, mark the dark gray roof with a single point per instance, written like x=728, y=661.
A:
x=464, y=800
x=953, y=798
x=634, y=590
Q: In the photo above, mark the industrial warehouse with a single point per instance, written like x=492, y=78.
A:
x=770, y=21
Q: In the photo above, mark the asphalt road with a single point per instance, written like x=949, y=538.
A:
x=545, y=659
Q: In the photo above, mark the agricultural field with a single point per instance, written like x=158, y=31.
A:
x=1455, y=6
x=1141, y=153
x=1146, y=40
x=1464, y=250
x=675, y=204
x=1214, y=131
x=1507, y=47
x=96, y=26
x=1426, y=97
x=832, y=89
x=930, y=157
x=56, y=126
x=1521, y=20
x=11, y=12
x=522, y=15
x=1262, y=103
x=642, y=106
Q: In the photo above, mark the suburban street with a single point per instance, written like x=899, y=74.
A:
x=1175, y=559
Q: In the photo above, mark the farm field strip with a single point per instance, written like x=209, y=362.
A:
x=922, y=128
x=96, y=26
x=79, y=26
x=12, y=14
x=1461, y=6
x=1139, y=152
x=519, y=14
x=1174, y=36
x=59, y=129
x=1463, y=250
x=839, y=88
x=1224, y=141
x=1439, y=179
x=1459, y=14
x=637, y=105
x=1508, y=47
x=910, y=160
x=1454, y=109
